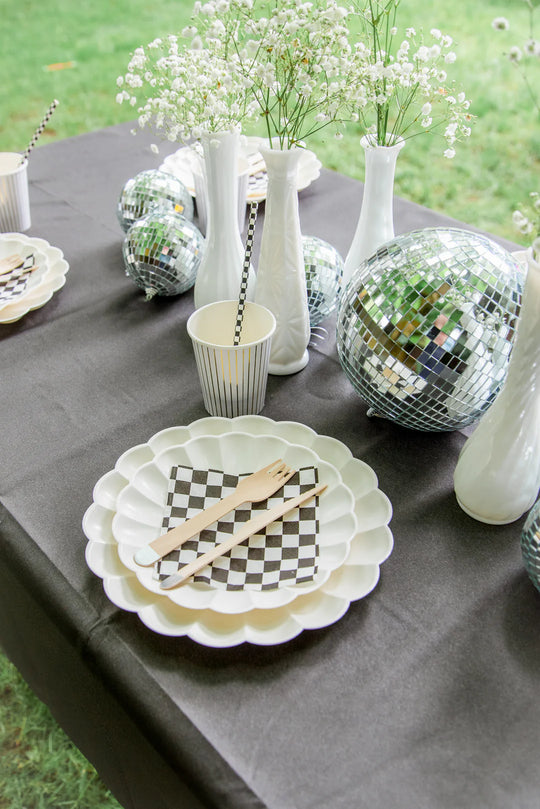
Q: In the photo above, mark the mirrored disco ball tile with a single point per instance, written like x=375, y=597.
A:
x=425, y=327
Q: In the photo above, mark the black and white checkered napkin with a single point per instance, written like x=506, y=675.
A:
x=285, y=552
x=13, y=283
x=257, y=184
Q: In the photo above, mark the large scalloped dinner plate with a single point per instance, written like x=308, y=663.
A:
x=48, y=278
x=202, y=615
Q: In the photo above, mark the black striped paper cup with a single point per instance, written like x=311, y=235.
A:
x=14, y=200
x=233, y=378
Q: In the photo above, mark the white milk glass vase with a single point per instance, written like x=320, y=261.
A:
x=497, y=475
x=220, y=271
x=376, y=222
x=281, y=277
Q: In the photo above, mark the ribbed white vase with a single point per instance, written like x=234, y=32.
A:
x=220, y=271
x=376, y=221
x=497, y=476
x=281, y=277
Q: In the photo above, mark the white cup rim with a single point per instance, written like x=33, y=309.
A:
x=229, y=347
x=18, y=166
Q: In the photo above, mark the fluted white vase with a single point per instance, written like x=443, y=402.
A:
x=376, y=221
x=220, y=271
x=281, y=276
x=497, y=476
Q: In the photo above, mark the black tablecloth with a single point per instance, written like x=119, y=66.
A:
x=424, y=695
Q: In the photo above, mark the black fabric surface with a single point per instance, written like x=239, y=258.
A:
x=424, y=695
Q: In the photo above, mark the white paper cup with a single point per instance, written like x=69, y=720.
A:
x=14, y=202
x=233, y=378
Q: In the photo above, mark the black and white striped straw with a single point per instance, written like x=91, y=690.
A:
x=245, y=272
x=39, y=130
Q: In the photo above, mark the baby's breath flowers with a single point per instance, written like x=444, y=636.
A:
x=500, y=24
x=297, y=67
x=403, y=82
x=185, y=92
x=296, y=56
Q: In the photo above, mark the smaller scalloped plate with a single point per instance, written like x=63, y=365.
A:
x=351, y=580
x=48, y=278
x=309, y=169
x=141, y=504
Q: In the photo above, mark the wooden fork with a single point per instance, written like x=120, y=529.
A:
x=14, y=262
x=252, y=489
x=10, y=263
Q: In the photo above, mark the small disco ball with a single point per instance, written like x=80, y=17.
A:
x=162, y=253
x=324, y=271
x=530, y=545
x=153, y=191
x=425, y=327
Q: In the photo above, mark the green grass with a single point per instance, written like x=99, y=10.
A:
x=491, y=173
x=96, y=37
x=39, y=767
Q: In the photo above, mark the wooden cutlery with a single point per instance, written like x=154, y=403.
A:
x=256, y=523
x=10, y=263
x=252, y=489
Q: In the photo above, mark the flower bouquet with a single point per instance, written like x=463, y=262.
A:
x=403, y=82
x=295, y=59
x=402, y=91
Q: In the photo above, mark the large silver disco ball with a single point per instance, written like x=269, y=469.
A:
x=324, y=271
x=425, y=327
x=153, y=191
x=162, y=253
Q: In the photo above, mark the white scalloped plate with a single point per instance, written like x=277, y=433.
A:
x=141, y=504
x=178, y=163
x=352, y=580
x=44, y=281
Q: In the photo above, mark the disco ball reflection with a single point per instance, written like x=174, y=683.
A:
x=425, y=327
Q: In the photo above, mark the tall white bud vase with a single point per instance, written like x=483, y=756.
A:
x=220, y=271
x=376, y=222
x=497, y=475
x=281, y=277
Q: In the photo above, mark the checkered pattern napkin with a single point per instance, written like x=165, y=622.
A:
x=285, y=552
x=13, y=284
x=257, y=184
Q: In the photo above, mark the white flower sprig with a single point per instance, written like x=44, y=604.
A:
x=521, y=55
x=526, y=219
x=296, y=56
x=403, y=83
x=185, y=92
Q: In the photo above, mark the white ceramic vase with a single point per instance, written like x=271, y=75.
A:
x=376, y=222
x=497, y=475
x=281, y=277
x=220, y=271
